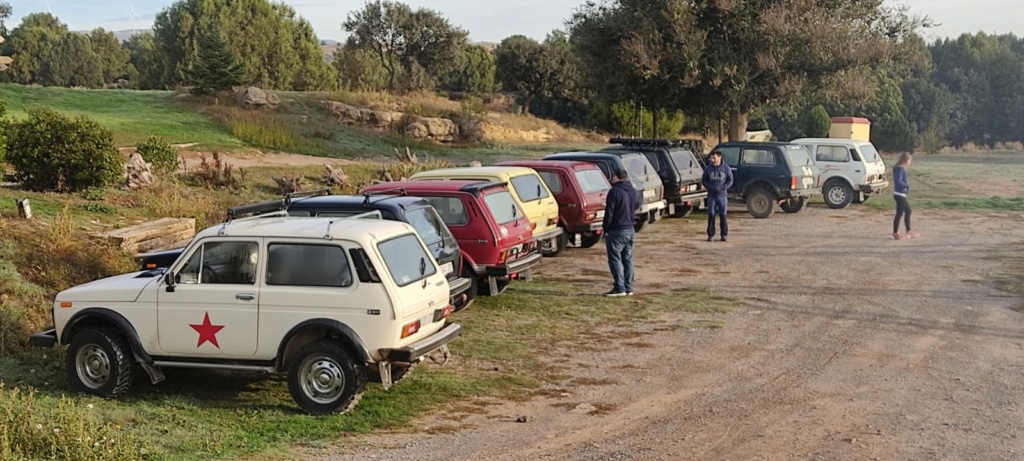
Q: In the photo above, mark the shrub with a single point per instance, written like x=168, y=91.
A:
x=32, y=429
x=160, y=154
x=51, y=152
x=3, y=137
x=621, y=119
x=817, y=123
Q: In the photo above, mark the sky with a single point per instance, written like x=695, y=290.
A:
x=493, y=20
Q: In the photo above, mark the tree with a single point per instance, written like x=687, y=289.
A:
x=72, y=62
x=276, y=48
x=32, y=44
x=359, y=69
x=145, y=59
x=420, y=45
x=51, y=152
x=817, y=123
x=537, y=70
x=114, y=59
x=475, y=72
x=217, y=68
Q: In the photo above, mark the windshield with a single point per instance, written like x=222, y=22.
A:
x=529, y=188
x=798, y=156
x=429, y=226
x=503, y=207
x=870, y=153
x=406, y=260
x=592, y=181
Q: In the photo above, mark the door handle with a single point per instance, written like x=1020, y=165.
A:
x=245, y=296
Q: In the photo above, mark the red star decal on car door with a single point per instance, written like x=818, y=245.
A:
x=207, y=331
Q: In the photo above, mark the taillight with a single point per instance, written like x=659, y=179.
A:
x=533, y=226
x=683, y=189
x=502, y=256
x=590, y=217
x=662, y=195
x=411, y=329
x=441, y=314
x=793, y=182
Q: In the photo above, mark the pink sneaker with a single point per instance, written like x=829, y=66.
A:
x=897, y=236
x=913, y=235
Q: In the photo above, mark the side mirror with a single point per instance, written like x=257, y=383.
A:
x=170, y=279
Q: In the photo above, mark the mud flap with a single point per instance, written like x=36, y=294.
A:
x=445, y=354
x=155, y=374
x=492, y=284
x=384, y=368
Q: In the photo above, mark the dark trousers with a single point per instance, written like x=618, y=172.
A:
x=902, y=211
x=718, y=206
x=620, y=259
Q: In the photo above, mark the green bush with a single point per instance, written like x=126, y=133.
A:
x=3, y=135
x=621, y=119
x=159, y=154
x=817, y=123
x=51, y=152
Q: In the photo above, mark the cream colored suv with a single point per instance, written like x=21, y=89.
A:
x=330, y=301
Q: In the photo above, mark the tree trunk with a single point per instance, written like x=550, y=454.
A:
x=654, y=124
x=527, y=99
x=738, y=125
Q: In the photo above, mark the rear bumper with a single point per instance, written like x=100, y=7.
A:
x=47, y=338
x=585, y=228
x=800, y=193
x=548, y=234
x=414, y=351
x=513, y=267
x=457, y=287
x=688, y=199
x=875, y=187
x=653, y=206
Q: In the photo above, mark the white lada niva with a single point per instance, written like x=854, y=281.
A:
x=333, y=302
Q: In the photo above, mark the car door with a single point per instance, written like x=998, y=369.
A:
x=740, y=178
x=213, y=306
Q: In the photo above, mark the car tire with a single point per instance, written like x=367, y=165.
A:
x=860, y=197
x=501, y=284
x=761, y=203
x=560, y=243
x=641, y=224
x=838, y=195
x=324, y=378
x=793, y=205
x=99, y=362
x=682, y=211
x=474, y=280
x=589, y=240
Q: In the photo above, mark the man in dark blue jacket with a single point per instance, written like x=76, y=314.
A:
x=619, y=218
x=717, y=180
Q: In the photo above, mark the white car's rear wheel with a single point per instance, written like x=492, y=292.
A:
x=324, y=379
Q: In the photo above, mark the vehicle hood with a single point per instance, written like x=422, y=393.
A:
x=120, y=288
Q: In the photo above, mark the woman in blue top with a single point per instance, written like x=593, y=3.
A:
x=900, y=192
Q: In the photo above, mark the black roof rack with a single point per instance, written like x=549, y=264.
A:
x=479, y=186
x=694, y=145
x=280, y=204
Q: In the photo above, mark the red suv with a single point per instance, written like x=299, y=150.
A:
x=494, y=235
x=580, y=189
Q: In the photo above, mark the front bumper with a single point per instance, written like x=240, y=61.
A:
x=874, y=188
x=418, y=349
x=47, y=338
x=514, y=267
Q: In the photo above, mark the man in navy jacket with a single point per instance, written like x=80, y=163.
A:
x=619, y=218
x=717, y=180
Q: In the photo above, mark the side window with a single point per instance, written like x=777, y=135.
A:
x=832, y=154
x=406, y=260
x=219, y=263
x=529, y=188
x=451, y=209
x=552, y=180
x=606, y=169
x=299, y=213
x=730, y=155
x=292, y=264
x=758, y=157
x=854, y=155
x=653, y=158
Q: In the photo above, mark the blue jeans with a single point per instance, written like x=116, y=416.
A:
x=620, y=259
x=718, y=206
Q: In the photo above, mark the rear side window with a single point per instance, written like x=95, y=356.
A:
x=529, y=188
x=797, y=155
x=406, y=260
x=684, y=159
x=758, y=157
x=655, y=161
x=592, y=181
x=503, y=207
x=730, y=155
x=552, y=180
x=637, y=166
x=870, y=153
x=302, y=265
x=832, y=154
x=451, y=210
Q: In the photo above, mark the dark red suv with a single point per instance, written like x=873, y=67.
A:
x=580, y=189
x=494, y=236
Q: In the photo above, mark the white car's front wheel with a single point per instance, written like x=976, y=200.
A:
x=99, y=362
x=324, y=379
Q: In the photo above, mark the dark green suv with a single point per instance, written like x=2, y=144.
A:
x=766, y=173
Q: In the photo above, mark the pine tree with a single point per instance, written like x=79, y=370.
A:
x=217, y=68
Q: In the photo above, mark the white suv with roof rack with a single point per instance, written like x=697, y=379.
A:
x=851, y=170
x=333, y=302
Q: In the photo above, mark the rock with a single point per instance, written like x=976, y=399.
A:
x=475, y=164
x=417, y=130
x=273, y=99
x=441, y=129
x=523, y=419
x=253, y=97
x=583, y=408
x=138, y=173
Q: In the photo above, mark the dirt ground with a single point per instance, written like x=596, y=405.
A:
x=845, y=345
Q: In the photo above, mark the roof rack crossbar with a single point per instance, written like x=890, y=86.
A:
x=375, y=214
x=479, y=186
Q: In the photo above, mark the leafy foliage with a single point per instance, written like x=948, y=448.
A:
x=474, y=73
x=47, y=53
x=51, y=152
x=537, y=70
x=143, y=57
x=625, y=119
x=359, y=69
x=217, y=68
x=160, y=154
x=817, y=123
